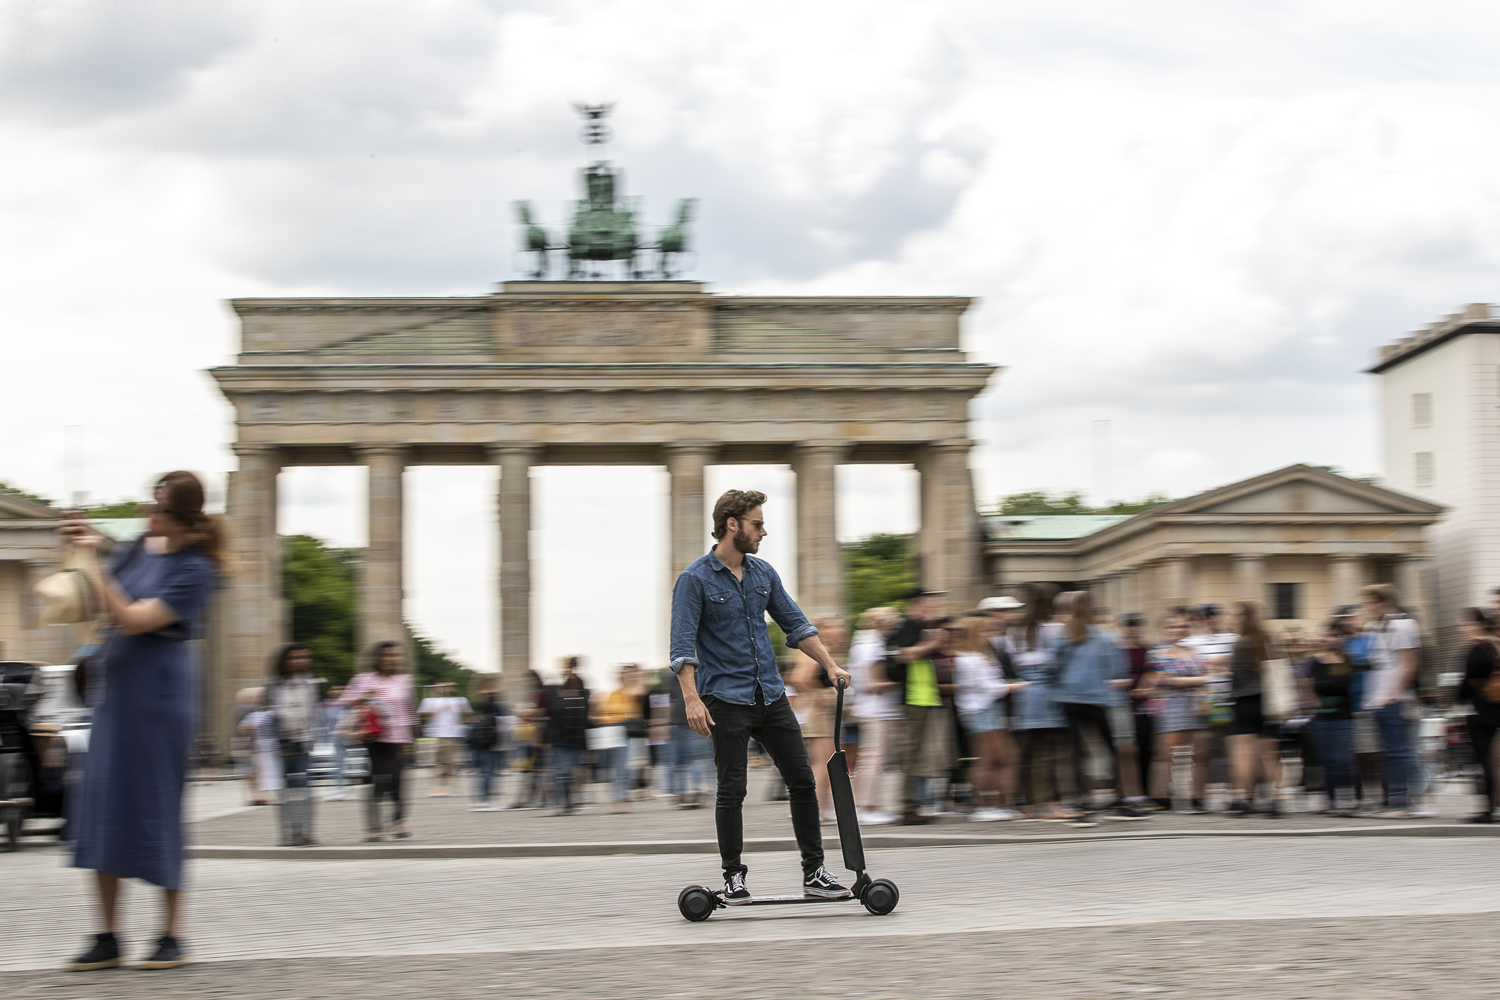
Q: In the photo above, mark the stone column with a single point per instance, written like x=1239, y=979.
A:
x=251, y=603
x=1131, y=600
x=1177, y=581
x=950, y=540
x=43, y=642
x=1250, y=580
x=381, y=591
x=1411, y=577
x=1346, y=574
x=820, y=561
x=515, y=461
x=689, y=536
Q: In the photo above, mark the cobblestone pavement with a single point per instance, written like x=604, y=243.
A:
x=961, y=913
x=1372, y=958
x=448, y=821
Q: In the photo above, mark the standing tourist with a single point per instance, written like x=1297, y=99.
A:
x=1394, y=660
x=259, y=727
x=1041, y=727
x=487, y=739
x=912, y=663
x=1091, y=671
x=331, y=719
x=1254, y=739
x=292, y=697
x=128, y=817
x=443, y=717
x=567, y=715
x=383, y=696
x=877, y=706
x=1332, y=676
x=721, y=652
x=611, y=715
x=1481, y=689
x=979, y=692
x=1138, y=695
x=1178, y=677
x=815, y=701
x=690, y=752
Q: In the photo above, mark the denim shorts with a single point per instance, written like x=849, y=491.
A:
x=985, y=721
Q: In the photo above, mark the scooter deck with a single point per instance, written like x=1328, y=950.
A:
x=778, y=900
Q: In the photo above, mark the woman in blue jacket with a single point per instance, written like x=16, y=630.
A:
x=1090, y=672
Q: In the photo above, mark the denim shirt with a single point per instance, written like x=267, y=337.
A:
x=1085, y=670
x=719, y=626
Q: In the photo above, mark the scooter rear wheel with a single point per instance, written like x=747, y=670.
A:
x=696, y=903
x=881, y=897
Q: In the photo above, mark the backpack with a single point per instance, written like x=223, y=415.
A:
x=485, y=729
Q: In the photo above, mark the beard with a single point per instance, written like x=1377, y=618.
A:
x=743, y=543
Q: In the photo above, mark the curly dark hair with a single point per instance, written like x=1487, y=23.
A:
x=735, y=504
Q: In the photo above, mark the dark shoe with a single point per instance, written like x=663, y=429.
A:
x=1483, y=817
x=169, y=954
x=915, y=819
x=821, y=884
x=1126, y=813
x=105, y=954
x=1238, y=808
x=735, y=892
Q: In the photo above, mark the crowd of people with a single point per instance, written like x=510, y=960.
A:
x=1046, y=708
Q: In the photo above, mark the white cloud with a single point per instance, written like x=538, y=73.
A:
x=1196, y=221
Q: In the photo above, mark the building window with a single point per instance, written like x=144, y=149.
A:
x=1426, y=475
x=1284, y=596
x=1421, y=409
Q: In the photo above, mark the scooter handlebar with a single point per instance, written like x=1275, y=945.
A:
x=838, y=713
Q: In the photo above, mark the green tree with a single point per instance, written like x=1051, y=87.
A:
x=1043, y=502
x=16, y=491
x=878, y=570
x=317, y=581
x=434, y=665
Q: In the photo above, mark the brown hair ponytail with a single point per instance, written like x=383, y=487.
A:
x=182, y=497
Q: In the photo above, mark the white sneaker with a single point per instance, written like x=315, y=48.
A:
x=1423, y=811
x=876, y=817
x=992, y=815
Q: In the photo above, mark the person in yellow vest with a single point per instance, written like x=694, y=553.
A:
x=912, y=664
x=610, y=714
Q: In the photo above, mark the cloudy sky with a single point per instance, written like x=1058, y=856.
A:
x=1195, y=221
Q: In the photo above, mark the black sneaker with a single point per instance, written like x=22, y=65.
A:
x=735, y=892
x=1125, y=813
x=169, y=954
x=105, y=954
x=823, y=885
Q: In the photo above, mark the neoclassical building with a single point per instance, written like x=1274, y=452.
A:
x=29, y=551
x=1300, y=540
x=590, y=373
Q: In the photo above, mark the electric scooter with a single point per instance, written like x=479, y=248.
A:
x=879, y=896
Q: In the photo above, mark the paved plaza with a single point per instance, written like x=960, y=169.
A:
x=1247, y=917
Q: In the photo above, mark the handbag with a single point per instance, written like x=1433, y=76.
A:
x=68, y=596
x=605, y=737
x=1279, y=700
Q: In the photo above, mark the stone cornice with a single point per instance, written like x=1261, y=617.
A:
x=605, y=301
x=344, y=306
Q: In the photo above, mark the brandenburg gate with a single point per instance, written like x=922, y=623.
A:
x=590, y=373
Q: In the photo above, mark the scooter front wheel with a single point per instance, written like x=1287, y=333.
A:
x=881, y=897
x=696, y=903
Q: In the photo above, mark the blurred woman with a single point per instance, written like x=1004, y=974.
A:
x=1478, y=689
x=1040, y=726
x=1331, y=676
x=815, y=701
x=1177, y=675
x=567, y=715
x=383, y=694
x=487, y=738
x=1254, y=741
x=979, y=690
x=292, y=697
x=877, y=706
x=611, y=714
x=128, y=813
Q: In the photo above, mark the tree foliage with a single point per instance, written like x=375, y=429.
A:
x=16, y=491
x=1044, y=502
x=317, y=581
x=434, y=665
x=878, y=570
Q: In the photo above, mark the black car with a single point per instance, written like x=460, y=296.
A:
x=33, y=752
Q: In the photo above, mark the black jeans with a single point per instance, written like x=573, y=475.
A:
x=1483, y=739
x=775, y=728
x=1082, y=718
x=386, y=760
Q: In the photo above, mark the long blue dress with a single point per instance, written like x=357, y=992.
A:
x=127, y=820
